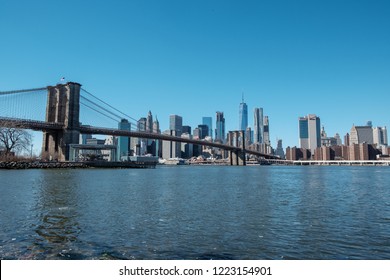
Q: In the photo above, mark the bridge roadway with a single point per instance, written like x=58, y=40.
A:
x=47, y=126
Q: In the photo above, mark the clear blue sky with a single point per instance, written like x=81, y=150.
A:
x=193, y=58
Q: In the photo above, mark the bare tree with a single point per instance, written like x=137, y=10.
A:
x=14, y=140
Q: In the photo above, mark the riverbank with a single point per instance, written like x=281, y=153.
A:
x=60, y=165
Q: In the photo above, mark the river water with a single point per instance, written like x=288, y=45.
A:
x=196, y=212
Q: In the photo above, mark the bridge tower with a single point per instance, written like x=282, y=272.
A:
x=237, y=139
x=63, y=106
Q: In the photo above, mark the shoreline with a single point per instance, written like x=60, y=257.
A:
x=72, y=165
x=7, y=165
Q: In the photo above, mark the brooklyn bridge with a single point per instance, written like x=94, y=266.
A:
x=57, y=110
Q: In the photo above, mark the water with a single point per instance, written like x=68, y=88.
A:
x=196, y=212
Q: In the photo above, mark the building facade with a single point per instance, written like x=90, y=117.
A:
x=266, y=132
x=243, y=116
x=310, y=132
x=209, y=122
x=123, y=147
x=220, y=128
x=361, y=134
x=258, y=135
x=176, y=124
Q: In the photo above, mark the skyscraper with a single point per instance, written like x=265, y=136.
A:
x=258, y=126
x=243, y=115
x=149, y=122
x=380, y=136
x=123, y=141
x=176, y=124
x=209, y=122
x=220, y=127
x=156, y=126
x=266, y=138
x=141, y=145
x=279, y=150
x=204, y=131
x=310, y=132
x=361, y=134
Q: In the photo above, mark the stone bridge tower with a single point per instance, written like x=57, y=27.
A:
x=237, y=139
x=63, y=107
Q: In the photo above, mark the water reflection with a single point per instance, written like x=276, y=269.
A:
x=266, y=212
x=57, y=225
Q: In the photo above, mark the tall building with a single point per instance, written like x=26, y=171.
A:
x=176, y=124
x=204, y=131
x=279, y=150
x=361, y=134
x=346, y=139
x=248, y=137
x=141, y=144
x=220, y=127
x=156, y=126
x=380, y=136
x=123, y=141
x=186, y=129
x=243, y=115
x=171, y=149
x=209, y=122
x=258, y=126
x=266, y=137
x=310, y=132
x=149, y=122
x=157, y=146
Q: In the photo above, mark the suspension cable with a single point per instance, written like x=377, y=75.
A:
x=101, y=107
x=109, y=105
x=116, y=120
x=21, y=90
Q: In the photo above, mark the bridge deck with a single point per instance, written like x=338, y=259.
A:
x=45, y=126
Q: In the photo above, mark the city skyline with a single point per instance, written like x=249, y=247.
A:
x=195, y=58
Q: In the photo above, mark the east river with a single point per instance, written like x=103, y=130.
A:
x=196, y=212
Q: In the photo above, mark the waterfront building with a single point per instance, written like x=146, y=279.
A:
x=295, y=153
x=243, y=115
x=358, y=151
x=220, y=127
x=209, y=122
x=176, y=123
x=108, y=154
x=258, y=126
x=266, y=136
x=310, y=132
x=84, y=137
x=123, y=148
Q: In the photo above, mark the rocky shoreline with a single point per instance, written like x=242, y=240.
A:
x=60, y=165
x=40, y=165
